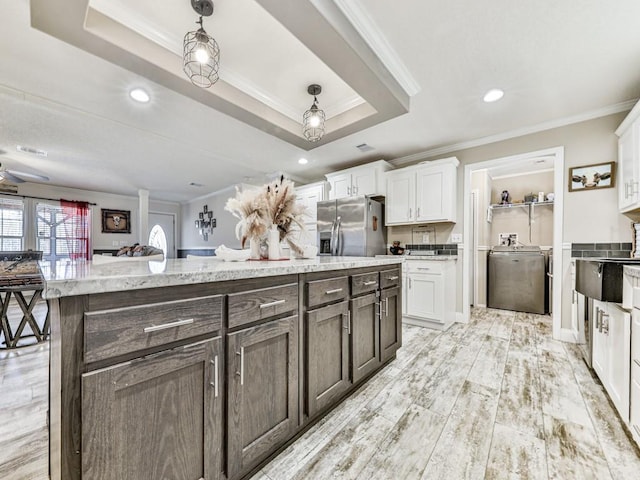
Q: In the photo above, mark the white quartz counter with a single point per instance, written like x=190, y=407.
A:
x=83, y=278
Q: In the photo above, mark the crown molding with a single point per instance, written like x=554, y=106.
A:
x=583, y=117
x=358, y=16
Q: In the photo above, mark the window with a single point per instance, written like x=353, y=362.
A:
x=158, y=239
x=58, y=235
x=11, y=224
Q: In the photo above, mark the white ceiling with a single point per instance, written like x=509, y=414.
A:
x=556, y=61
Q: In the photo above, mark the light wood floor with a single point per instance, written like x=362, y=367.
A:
x=494, y=399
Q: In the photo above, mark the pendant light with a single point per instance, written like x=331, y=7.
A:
x=201, y=54
x=313, y=119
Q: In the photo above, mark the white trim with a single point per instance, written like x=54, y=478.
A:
x=567, y=335
x=558, y=211
x=484, y=248
x=590, y=115
x=358, y=16
x=460, y=318
x=566, y=246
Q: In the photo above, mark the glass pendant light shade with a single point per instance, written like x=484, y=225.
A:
x=313, y=119
x=201, y=54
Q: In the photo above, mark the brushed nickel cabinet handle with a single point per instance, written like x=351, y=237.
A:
x=177, y=323
x=215, y=382
x=386, y=306
x=423, y=268
x=410, y=213
x=241, y=373
x=372, y=282
x=418, y=213
x=349, y=322
x=272, y=304
x=335, y=290
x=349, y=191
x=395, y=277
x=636, y=361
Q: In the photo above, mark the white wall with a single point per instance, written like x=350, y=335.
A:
x=99, y=240
x=224, y=233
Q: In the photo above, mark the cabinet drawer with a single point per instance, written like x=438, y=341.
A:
x=389, y=278
x=253, y=305
x=434, y=267
x=110, y=333
x=320, y=292
x=364, y=283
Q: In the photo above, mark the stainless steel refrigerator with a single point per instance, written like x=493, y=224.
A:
x=351, y=226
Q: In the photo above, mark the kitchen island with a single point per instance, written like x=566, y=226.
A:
x=190, y=369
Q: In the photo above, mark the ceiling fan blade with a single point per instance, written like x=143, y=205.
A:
x=12, y=178
x=35, y=176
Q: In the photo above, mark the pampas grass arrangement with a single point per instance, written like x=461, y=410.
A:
x=272, y=204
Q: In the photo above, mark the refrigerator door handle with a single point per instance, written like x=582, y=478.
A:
x=332, y=241
x=337, y=245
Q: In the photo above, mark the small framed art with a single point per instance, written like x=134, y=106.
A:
x=591, y=177
x=116, y=221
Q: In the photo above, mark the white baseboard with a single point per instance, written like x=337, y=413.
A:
x=433, y=324
x=460, y=318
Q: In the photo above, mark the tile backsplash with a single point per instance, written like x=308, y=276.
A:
x=439, y=248
x=607, y=250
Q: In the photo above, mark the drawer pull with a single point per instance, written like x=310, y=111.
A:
x=177, y=323
x=636, y=361
x=372, y=282
x=424, y=268
x=386, y=306
x=335, y=290
x=635, y=427
x=272, y=304
x=395, y=277
x=214, y=384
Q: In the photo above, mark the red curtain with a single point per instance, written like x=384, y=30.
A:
x=76, y=228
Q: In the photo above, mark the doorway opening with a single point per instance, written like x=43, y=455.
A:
x=474, y=260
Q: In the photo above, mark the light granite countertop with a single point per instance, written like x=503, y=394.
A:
x=85, y=277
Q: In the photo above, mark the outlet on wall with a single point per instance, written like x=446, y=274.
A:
x=456, y=238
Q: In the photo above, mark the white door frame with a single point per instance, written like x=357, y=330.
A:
x=558, y=208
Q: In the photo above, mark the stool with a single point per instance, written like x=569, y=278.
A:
x=11, y=339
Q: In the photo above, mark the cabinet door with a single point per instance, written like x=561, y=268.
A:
x=618, y=328
x=364, y=181
x=262, y=377
x=599, y=357
x=390, y=322
x=156, y=417
x=327, y=362
x=340, y=185
x=434, y=199
x=425, y=296
x=628, y=156
x=400, y=201
x=364, y=332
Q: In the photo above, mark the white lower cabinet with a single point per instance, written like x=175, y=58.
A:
x=612, y=351
x=429, y=298
x=634, y=414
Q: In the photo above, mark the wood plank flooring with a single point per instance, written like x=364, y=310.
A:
x=495, y=399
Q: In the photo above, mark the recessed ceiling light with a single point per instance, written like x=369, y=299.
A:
x=303, y=161
x=363, y=147
x=139, y=95
x=32, y=151
x=493, y=95
x=195, y=184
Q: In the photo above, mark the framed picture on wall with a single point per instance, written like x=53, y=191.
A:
x=590, y=177
x=116, y=221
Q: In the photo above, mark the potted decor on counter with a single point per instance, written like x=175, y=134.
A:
x=268, y=215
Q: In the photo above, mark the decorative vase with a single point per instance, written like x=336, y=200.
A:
x=254, y=247
x=274, y=243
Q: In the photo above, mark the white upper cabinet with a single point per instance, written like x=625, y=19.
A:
x=424, y=193
x=628, y=182
x=363, y=180
x=309, y=196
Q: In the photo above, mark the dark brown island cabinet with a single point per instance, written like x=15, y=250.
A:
x=210, y=380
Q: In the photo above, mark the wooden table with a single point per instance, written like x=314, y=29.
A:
x=11, y=338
